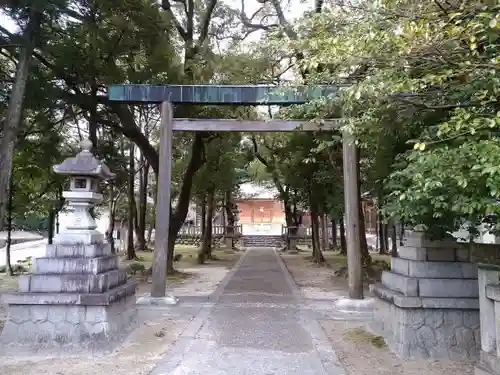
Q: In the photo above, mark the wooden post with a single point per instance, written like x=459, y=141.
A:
x=354, y=262
x=159, y=276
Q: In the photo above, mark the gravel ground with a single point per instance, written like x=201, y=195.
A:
x=360, y=352
x=137, y=356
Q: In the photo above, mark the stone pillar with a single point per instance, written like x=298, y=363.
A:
x=76, y=297
x=489, y=310
x=487, y=275
x=427, y=305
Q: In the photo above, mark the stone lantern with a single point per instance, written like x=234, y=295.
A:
x=77, y=296
x=86, y=172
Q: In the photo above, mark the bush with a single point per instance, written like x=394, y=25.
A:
x=19, y=268
x=135, y=268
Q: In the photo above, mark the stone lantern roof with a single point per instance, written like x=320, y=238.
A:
x=84, y=164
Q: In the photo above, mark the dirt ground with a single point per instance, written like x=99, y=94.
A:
x=359, y=351
x=150, y=341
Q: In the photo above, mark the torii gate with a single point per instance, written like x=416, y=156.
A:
x=252, y=95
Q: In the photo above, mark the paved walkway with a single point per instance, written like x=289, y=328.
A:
x=21, y=251
x=254, y=324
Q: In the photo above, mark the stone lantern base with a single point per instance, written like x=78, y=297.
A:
x=76, y=298
x=427, y=305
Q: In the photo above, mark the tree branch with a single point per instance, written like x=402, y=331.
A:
x=165, y=4
x=205, y=23
x=189, y=9
x=290, y=32
x=247, y=22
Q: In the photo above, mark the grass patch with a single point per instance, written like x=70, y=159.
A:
x=360, y=336
x=370, y=274
x=8, y=283
x=184, y=257
x=341, y=260
x=178, y=277
x=146, y=257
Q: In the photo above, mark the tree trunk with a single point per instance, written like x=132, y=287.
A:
x=317, y=253
x=386, y=236
x=334, y=233
x=205, y=251
x=324, y=233
x=131, y=205
x=381, y=238
x=365, y=253
x=228, y=207
x=143, y=206
x=60, y=205
x=316, y=244
x=401, y=233
x=149, y=233
x=292, y=227
x=170, y=255
x=9, y=229
x=177, y=219
x=93, y=118
x=394, y=247
x=51, y=225
x=366, y=258
x=137, y=229
x=13, y=118
x=343, y=243
x=111, y=224
x=152, y=225
x=203, y=216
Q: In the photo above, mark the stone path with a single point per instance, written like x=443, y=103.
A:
x=255, y=323
x=21, y=251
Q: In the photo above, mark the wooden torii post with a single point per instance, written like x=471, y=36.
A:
x=252, y=95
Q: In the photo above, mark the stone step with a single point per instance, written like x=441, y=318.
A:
x=71, y=283
x=78, y=250
x=430, y=287
x=72, y=299
x=75, y=265
x=262, y=241
x=455, y=254
x=400, y=300
x=438, y=270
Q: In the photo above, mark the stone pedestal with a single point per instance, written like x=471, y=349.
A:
x=427, y=306
x=76, y=297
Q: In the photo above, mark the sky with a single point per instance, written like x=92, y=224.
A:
x=6, y=22
x=293, y=9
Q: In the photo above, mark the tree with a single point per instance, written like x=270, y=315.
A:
x=409, y=85
x=13, y=121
